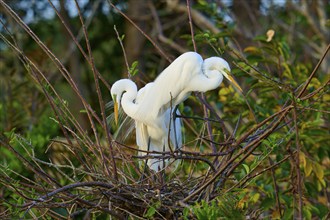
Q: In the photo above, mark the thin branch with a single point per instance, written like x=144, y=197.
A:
x=124, y=52
x=314, y=72
x=76, y=41
x=277, y=198
x=247, y=150
x=99, y=94
x=297, y=161
x=191, y=26
x=142, y=32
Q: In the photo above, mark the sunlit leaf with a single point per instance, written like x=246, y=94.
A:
x=308, y=168
x=318, y=170
x=252, y=49
x=246, y=167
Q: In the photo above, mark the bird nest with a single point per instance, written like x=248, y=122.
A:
x=80, y=180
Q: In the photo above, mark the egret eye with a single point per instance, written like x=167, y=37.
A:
x=226, y=71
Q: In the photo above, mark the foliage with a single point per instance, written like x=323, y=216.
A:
x=260, y=154
x=226, y=208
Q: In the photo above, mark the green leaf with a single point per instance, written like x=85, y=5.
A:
x=318, y=170
x=151, y=212
x=246, y=167
x=133, y=69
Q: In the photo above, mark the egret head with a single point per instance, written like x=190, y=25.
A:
x=117, y=91
x=116, y=94
x=213, y=65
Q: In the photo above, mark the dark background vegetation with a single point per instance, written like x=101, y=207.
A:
x=262, y=154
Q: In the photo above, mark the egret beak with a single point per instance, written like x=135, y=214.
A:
x=115, y=106
x=232, y=80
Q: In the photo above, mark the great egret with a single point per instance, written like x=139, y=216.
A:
x=184, y=75
x=151, y=135
x=188, y=73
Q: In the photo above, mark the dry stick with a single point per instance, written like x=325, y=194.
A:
x=297, y=160
x=196, y=133
x=219, y=120
x=59, y=119
x=35, y=170
x=161, y=36
x=282, y=85
x=314, y=71
x=310, y=95
x=142, y=32
x=64, y=73
x=198, y=118
x=169, y=155
x=191, y=26
x=245, y=179
x=256, y=143
x=124, y=52
x=277, y=198
x=181, y=151
x=77, y=43
x=98, y=91
x=247, y=134
x=55, y=60
x=80, y=33
x=29, y=62
x=206, y=113
x=72, y=186
x=90, y=119
x=87, y=59
x=26, y=62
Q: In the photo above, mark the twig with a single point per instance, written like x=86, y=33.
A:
x=55, y=60
x=314, y=72
x=310, y=95
x=247, y=150
x=277, y=198
x=191, y=26
x=99, y=94
x=124, y=52
x=77, y=43
x=37, y=171
x=248, y=177
x=30, y=66
x=142, y=32
x=297, y=160
x=161, y=35
x=206, y=113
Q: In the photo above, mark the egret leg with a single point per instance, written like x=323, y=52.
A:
x=174, y=115
x=146, y=161
x=164, y=165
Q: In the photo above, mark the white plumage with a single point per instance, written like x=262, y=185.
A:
x=150, y=107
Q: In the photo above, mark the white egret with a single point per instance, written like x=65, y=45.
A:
x=184, y=75
x=151, y=135
x=188, y=73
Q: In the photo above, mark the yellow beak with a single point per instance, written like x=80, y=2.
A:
x=115, y=110
x=231, y=79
